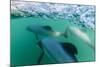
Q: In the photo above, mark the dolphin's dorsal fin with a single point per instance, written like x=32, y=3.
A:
x=70, y=48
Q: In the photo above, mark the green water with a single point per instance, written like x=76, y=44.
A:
x=24, y=50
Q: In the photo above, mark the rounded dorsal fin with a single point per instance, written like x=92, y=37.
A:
x=70, y=48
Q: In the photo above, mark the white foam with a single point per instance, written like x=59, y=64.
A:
x=81, y=14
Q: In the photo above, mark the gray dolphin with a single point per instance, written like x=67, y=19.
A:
x=59, y=52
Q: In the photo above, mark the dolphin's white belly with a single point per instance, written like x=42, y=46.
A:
x=82, y=35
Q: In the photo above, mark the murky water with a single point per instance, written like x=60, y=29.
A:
x=24, y=50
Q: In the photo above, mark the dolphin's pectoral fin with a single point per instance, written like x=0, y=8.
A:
x=40, y=57
x=40, y=44
x=42, y=54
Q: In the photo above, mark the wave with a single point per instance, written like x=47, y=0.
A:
x=83, y=15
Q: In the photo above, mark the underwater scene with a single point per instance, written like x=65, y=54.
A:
x=51, y=33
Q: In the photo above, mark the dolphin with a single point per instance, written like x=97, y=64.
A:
x=45, y=30
x=60, y=54
x=40, y=30
x=79, y=33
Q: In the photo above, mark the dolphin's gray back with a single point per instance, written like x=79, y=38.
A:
x=38, y=29
x=55, y=50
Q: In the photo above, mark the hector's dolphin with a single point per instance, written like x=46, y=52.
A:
x=79, y=33
x=59, y=52
x=40, y=30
